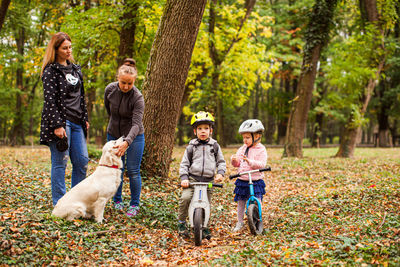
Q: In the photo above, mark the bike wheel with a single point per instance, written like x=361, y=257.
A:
x=198, y=226
x=254, y=219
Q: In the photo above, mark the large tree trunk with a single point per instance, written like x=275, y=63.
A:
x=127, y=34
x=300, y=107
x=164, y=84
x=317, y=36
x=346, y=148
x=3, y=11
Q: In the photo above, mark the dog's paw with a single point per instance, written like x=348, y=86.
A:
x=99, y=220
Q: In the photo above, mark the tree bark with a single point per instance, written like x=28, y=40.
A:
x=164, y=84
x=3, y=11
x=317, y=36
x=349, y=137
x=384, y=139
x=348, y=143
x=18, y=131
x=127, y=34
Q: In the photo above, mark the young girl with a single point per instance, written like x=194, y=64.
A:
x=251, y=156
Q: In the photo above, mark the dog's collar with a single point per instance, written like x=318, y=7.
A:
x=112, y=166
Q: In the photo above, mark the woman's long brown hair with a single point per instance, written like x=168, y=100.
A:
x=50, y=54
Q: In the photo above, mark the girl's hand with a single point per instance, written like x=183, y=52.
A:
x=60, y=132
x=185, y=183
x=235, y=160
x=121, y=148
x=245, y=159
x=87, y=125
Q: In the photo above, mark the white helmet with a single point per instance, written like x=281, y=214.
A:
x=251, y=126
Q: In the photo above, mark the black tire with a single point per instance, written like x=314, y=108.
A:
x=198, y=226
x=254, y=220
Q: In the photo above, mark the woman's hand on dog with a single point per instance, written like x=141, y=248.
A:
x=121, y=148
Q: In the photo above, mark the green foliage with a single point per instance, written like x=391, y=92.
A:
x=320, y=21
x=94, y=152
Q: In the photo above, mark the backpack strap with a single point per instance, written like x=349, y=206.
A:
x=190, y=149
x=216, y=147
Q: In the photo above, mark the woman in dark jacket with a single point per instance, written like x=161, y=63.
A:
x=125, y=106
x=64, y=122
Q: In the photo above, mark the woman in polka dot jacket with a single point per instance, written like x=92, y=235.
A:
x=64, y=113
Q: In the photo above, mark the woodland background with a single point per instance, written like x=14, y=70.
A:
x=256, y=48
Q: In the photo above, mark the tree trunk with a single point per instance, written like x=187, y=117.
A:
x=18, y=131
x=300, y=107
x=3, y=11
x=316, y=140
x=317, y=36
x=383, y=118
x=283, y=119
x=164, y=84
x=127, y=34
x=181, y=132
x=348, y=143
x=346, y=149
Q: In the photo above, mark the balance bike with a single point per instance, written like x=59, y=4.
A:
x=199, y=209
x=253, y=205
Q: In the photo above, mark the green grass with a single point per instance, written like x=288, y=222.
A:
x=318, y=210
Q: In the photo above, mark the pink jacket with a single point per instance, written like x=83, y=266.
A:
x=257, y=159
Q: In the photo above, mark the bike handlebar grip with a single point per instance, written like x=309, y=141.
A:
x=265, y=169
x=234, y=176
x=218, y=185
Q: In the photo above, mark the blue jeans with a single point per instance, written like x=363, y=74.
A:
x=132, y=160
x=77, y=152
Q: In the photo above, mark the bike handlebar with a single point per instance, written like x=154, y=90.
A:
x=248, y=172
x=205, y=183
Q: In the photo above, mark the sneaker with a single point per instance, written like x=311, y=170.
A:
x=132, y=211
x=206, y=233
x=238, y=227
x=119, y=205
x=182, y=229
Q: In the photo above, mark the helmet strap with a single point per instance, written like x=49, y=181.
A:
x=246, y=153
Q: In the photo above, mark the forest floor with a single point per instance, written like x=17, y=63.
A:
x=318, y=210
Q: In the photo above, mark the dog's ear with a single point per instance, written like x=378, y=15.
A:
x=108, y=151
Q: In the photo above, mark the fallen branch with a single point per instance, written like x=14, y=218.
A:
x=383, y=221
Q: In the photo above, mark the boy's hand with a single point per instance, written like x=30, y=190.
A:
x=219, y=178
x=185, y=183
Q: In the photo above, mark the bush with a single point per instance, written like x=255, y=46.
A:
x=94, y=152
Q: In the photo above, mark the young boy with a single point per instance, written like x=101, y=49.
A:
x=203, y=156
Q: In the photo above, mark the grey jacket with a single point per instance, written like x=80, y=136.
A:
x=203, y=163
x=125, y=111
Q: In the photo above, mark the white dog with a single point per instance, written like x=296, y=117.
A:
x=88, y=198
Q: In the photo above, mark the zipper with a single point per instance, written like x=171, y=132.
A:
x=119, y=116
x=202, y=170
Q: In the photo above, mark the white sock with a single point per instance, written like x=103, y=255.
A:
x=240, y=210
